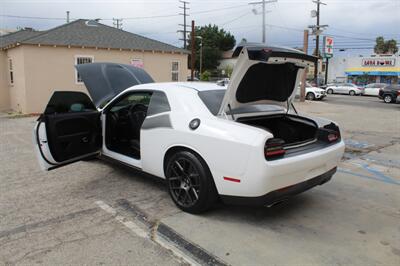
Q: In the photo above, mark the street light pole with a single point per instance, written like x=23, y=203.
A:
x=263, y=3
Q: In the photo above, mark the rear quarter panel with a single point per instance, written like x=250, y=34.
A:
x=224, y=145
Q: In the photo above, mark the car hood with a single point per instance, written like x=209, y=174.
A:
x=315, y=89
x=104, y=81
x=264, y=75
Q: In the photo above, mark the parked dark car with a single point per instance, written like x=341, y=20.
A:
x=389, y=93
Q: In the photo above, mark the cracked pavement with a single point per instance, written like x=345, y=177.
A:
x=51, y=217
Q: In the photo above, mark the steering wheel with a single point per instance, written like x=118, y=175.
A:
x=137, y=114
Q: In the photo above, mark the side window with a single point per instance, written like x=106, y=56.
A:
x=175, y=71
x=133, y=98
x=81, y=60
x=69, y=102
x=158, y=103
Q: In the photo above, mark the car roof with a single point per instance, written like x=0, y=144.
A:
x=166, y=86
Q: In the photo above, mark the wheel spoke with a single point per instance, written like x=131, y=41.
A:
x=174, y=178
x=195, y=193
x=179, y=166
x=188, y=196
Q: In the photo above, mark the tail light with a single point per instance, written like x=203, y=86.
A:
x=398, y=93
x=274, y=149
x=329, y=133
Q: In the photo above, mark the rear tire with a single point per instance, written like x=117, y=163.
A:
x=310, y=96
x=352, y=93
x=329, y=91
x=190, y=183
x=387, y=98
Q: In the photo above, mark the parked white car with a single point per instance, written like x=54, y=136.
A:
x=373, y=89
x=344, y=88
x=243, y=144
x=311, y=92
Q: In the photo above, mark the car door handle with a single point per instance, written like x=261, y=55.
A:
x=85, y=140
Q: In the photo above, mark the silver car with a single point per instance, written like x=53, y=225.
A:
x=344, y=88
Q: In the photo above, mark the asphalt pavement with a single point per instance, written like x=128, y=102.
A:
x=362, y=101
x=95, y=212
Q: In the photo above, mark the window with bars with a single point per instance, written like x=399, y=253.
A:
x=11, y=71
x=82, y=60
x=175, y=71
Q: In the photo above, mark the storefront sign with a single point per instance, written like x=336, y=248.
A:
x=328, y=47
x=137, y=63
x=381, y=62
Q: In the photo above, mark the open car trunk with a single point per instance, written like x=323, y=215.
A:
x=293, y=130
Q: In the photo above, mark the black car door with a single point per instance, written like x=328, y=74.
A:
x=69, y=130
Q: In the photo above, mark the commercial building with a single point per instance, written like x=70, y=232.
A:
x=33, y=64
x=365, y=69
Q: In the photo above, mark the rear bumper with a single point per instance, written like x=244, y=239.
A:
x=280, y=194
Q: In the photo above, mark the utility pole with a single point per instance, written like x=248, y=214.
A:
x=304, y=77
x=317, y=33
x=201, y=53
x=193, y=54
x=263, y=3
x=184, y=14
x=67, y=16
x=117, y=22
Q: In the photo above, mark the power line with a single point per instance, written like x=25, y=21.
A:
x=234, y=19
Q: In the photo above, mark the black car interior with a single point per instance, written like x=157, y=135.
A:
x=72, y=124
x=124, y=120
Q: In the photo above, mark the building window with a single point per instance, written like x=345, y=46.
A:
x=175, y=71
x=81, y=60
x=11, y=71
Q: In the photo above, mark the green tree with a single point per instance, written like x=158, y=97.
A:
x=215, y=41
x=385, y=47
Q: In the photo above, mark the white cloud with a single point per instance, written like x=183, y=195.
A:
x=364, y=19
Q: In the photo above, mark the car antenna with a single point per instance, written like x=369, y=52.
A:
x=230, y=110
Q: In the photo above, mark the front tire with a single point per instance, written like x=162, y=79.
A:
x=310, y=96
x=352, y=93
x=190, y=183
x=388, y=98
x=329, y=91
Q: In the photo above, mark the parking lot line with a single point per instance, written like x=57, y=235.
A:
x=376, y=178
x=127, y=223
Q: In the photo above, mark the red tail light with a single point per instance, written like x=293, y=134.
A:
x=333, y=137
x=329, y=133
x=274, y=149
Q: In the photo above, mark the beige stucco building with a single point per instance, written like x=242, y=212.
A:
x=32, y=67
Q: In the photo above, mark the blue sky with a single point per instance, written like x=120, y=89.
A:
x=352, y=23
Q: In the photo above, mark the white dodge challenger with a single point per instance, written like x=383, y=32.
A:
x=243, y=144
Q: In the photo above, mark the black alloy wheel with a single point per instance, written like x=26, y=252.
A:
x=190, y=183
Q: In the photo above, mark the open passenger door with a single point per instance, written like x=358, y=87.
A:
x=69, y=130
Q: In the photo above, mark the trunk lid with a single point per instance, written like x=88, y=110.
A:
x=264, y=75
x=104, y=81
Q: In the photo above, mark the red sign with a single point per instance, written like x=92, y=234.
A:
x=379, y=62
x=137, y=63
x=328, y=46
